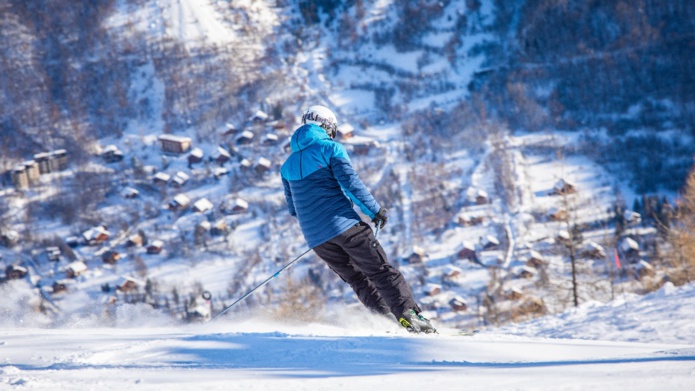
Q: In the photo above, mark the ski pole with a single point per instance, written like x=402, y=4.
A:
x=225, y=309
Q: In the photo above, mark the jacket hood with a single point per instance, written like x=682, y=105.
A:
x=306, y=135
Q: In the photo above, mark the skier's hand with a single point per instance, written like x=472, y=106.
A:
x=381, y=218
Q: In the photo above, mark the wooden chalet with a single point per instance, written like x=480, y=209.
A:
x=135, y=240
x=525, y=272
x=468, y=220
x=75, y=269
x=221, y=156
x=535, y=260
x=432, y=289
x=161, y=178
x=556, y=214
x=270, y=139
x=489, y=242
x=127, y=284
x=418, y=255
x=259, y=117
x=593, y=250
x=466, y=250
x=175, y=144
x=457, y=304
x=562, y=187
x=244, y=138
x=155, y=247
x=513, y=294
x=196, y=156
x=15, y=272
x=263, y=165
x=345, y=132
x=96, y=235
x=53, y=253
x=130, y=193
x=179, y=179
x=20, y=178
x=219, y=227
x=451, y=272
x=235, y=206
x=179, y=202
x=203, y=205
x=110, y=257
x=111, y=154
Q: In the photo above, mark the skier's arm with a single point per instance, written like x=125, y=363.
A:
x=351, y=183
x=288, y=198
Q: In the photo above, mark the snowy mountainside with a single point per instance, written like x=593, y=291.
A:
x=470, y=201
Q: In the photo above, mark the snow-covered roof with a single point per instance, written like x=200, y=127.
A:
x=182, y=200
x=203, y=205
x=175, y=138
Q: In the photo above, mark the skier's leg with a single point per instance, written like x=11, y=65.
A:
x=369, y=257
x=339, y=261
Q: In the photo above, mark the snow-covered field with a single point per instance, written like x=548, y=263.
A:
x=635, y=343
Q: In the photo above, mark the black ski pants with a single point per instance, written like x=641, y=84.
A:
x=358, y=258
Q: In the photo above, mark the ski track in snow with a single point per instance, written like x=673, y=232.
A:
x=151, y=358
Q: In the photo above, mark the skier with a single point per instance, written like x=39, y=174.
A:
x=320, y=187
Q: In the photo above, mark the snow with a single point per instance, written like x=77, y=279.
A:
x=636, y=342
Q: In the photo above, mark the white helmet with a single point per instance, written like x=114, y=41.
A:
x=323, y=117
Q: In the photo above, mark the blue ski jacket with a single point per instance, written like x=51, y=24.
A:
x=321, y=185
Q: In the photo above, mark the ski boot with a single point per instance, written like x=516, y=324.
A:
x=416, y=323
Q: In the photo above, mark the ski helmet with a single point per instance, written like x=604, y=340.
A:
x=323, y=117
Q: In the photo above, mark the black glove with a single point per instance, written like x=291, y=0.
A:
x=381, y=218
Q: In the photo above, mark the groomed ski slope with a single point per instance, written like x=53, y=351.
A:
x=260, y=354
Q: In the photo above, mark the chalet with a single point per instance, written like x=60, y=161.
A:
x=72, y=241
x=262, y=166
x=563, y=237
x=480, y=197
x=75, y=269
x=345, y=132
x=179, y=179
x=127, y=284
x=96, y=235
x=110, y=257
x=432, y=289
x=593, y=250
x=535, y=259
x=361, y=145
x=180, y=202
x=489, y=242
x=245, y=164
x=204, y=226
x=111, y=154
x=202, y=205
x=532, y=305
x=644, y=269
x=235, y=206
x=525, y=272
x=196, y=156
x=270, y=139
x=58, y=160
x=513, y=294
x=468, y=220
x=466, y=250
x=155, y=247
x=15, y=272
x=135, y=240
x=451, y=272
x=229, y=129
x=458, y=304
x=556, y=214
x=32, y=170
x=221, y=156
x=20, y=178
x=219, y=172
x=259, y=117
x=53, y=253
x=629, y=249
x=174, y=144
x=418, y=255
x=244, y=138
x=632, y=218
x=562, y=187
x=130, y=193
x=219, y=227
x=161, y=178
x=43, y=160
x=61, y=286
